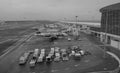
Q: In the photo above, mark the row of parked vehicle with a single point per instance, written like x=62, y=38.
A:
x=56, y=54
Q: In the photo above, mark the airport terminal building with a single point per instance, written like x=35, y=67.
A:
x=110, y=25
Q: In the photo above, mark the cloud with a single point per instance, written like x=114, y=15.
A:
x=52, y=9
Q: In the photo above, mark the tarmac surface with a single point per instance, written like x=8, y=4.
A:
x=9, y=63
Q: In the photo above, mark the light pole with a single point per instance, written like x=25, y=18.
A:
x=76, y=19
x=105, y=42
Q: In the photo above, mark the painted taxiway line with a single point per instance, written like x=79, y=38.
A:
x=5, y=41
x=19, y=44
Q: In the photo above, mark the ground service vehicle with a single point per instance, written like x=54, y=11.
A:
x=23, y=59
x=53, y=49
x=48, y=58
x=77, y=56
x=64, y=56
x=72, y=52
x=57, y=49
x=38, y=33
x=32, y=63
x=42, y=50
x=57, y=57
x=42, y=55
x=82, y=52
x=63, y=50
x=40, y=58
x=35, y=54
x=69, y=39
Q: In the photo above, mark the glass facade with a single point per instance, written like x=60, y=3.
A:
x=110, y=20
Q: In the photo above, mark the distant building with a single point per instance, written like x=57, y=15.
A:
x=2, y=22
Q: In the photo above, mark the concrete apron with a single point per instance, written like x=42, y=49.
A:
x=113, y=71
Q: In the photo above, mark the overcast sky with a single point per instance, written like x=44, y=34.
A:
x=52, y=9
